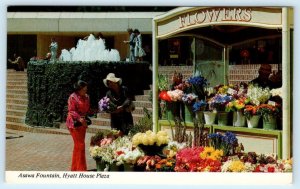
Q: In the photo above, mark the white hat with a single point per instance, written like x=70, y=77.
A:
x=113, y=78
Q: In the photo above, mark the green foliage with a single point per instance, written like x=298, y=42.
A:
x=144, y=124
x=163, y=82
x=50, y=84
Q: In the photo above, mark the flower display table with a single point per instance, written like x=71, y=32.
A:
x=253, y=139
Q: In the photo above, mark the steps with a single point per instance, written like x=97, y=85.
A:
x=17, y=101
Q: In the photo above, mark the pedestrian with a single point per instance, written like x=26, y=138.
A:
x=121, y=118
x=77, y=123
x=48, y=56
x=18, y=64
x=131, y=43
x=53, y=49
x=138, y=50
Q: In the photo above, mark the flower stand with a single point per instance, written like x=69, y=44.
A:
x=171, y=110
x=188, y=113
x=200, y=116
x=269, y=122
x=239, y=120
x=209, y=117
x=253, y=121
x=223, y=118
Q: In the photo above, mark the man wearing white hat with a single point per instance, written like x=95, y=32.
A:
x=121, y=118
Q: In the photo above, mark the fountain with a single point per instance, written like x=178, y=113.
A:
x=91, y=49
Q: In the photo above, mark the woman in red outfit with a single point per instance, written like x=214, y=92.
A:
x=78, y=107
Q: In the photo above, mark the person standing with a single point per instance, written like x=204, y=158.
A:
x=138, y=50
x=121, y=118
x=78, y=107
x=131, y=43
x=18, y=64
x=263, y=79
x=53, y=49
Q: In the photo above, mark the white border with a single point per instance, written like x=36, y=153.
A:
x=212, y=180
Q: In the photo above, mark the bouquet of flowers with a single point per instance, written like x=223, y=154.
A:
x=175, y=95
x=267, y=109
x=199, y=105
x=250, y=110
x=173, y=147
x=236, y=105
x=128, y=155
x=150, y=138
x=104, y=153
x=151, y=143
x=106, y=105
x=163, y=95
x=258, y=95
x=187, y=159
x=226, y=142
x=276, y=92
x=165, y=165
x=219, y=102
x=210, y=160
x=234, y=164
x=189, y=98
x=197, y=84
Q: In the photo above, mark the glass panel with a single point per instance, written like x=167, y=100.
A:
x=209, y=61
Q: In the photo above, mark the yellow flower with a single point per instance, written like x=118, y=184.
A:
x=145, y=140
x=211, y=153
x=149, y=132
x=237, y=166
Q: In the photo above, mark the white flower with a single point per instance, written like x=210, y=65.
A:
x=276, y=92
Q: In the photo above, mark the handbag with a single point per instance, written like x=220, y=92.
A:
x=78, y=123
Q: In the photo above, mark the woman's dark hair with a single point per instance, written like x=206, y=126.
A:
x=136, y=31
x=79, y=85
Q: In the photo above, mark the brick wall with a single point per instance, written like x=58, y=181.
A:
x=245, y=73
x=237, y=73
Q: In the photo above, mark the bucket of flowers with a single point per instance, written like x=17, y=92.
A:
x=173, y=99
x=237, y=106
x=252, y=116
x=258, y=95
x=128, y=156
x=269, y=113
x=151, y=143
x=101, y=150
x=219, y=103
x=188, y=100
x=199, y=107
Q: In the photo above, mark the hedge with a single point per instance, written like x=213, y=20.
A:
x=50, y=84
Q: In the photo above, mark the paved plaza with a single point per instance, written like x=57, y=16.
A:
x=27, y=151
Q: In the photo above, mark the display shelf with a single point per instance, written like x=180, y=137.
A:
x=253, y=139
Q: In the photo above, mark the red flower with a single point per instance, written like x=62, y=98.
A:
x=163, y=95
x=119, y=152
x=271, y=169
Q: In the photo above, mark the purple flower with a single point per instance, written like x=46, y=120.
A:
x=105, y=105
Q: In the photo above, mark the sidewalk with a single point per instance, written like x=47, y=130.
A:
x=26, y=151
